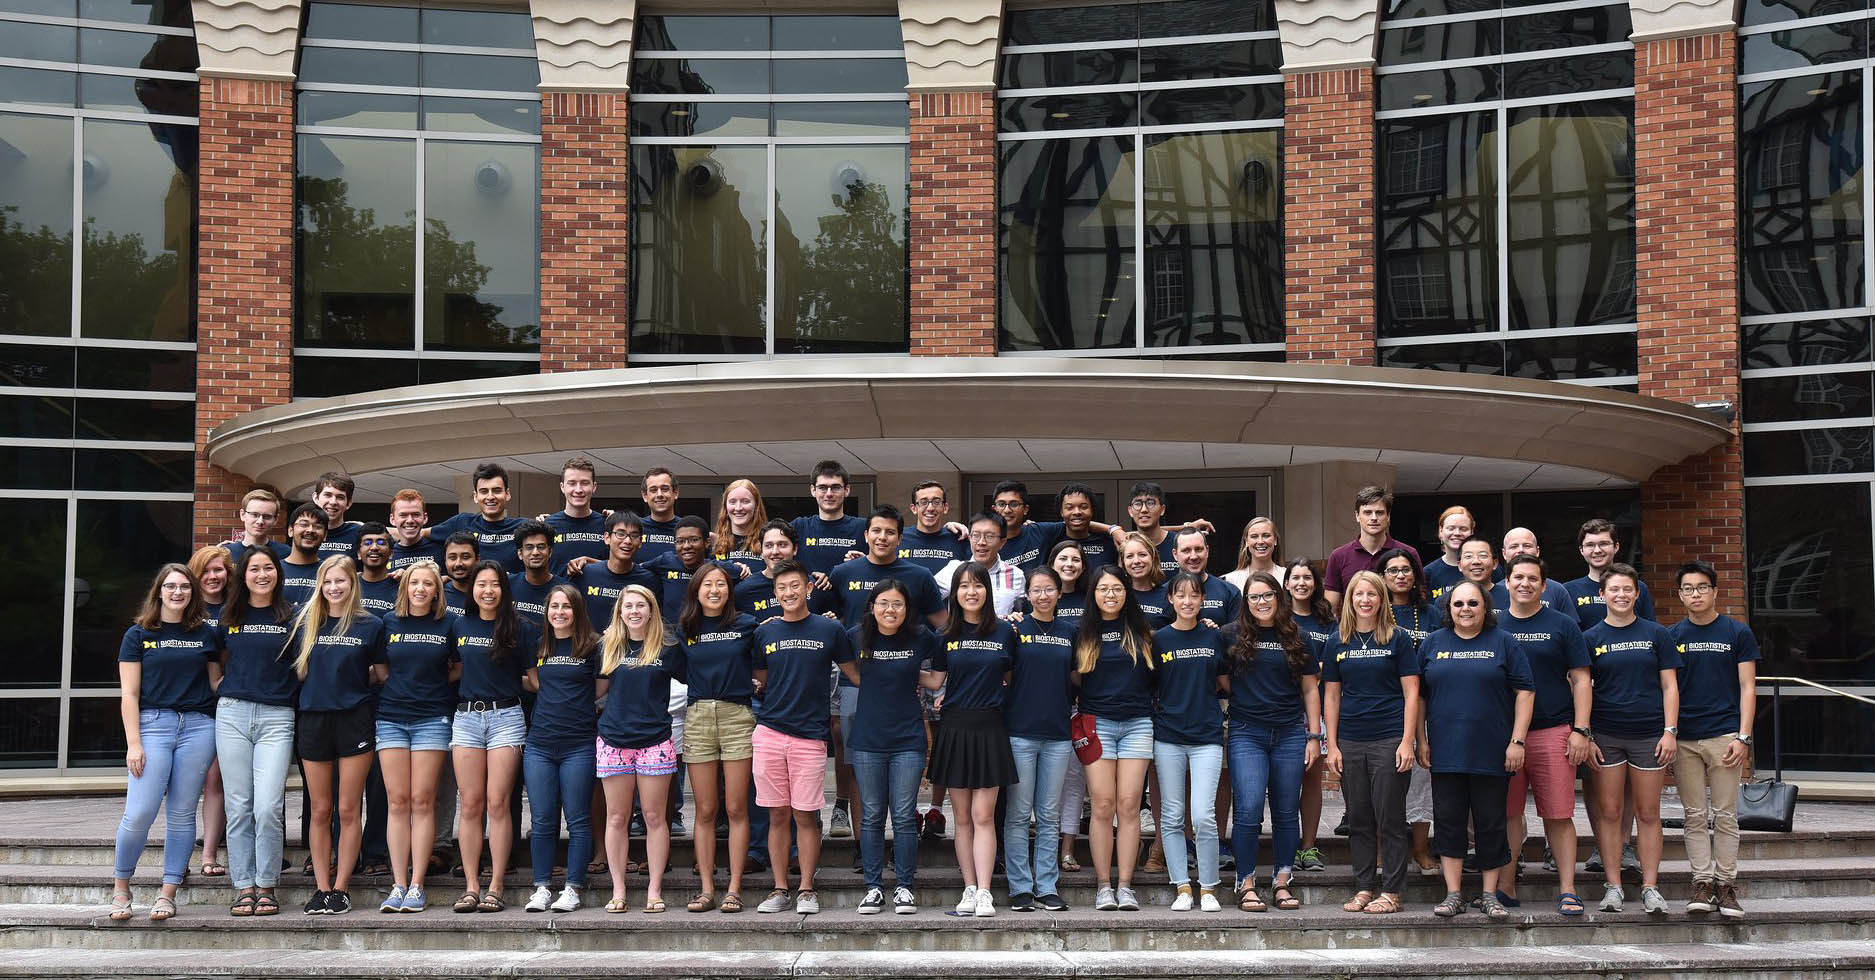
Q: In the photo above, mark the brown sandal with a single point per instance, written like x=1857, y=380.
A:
x=1359, y=902
x=469, y=902
x=1286, y=899
x=1384, y=905
x=732, y=903
x=1251, y=903
x=704, y=902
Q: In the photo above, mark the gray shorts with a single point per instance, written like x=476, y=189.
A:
x=1635, y=753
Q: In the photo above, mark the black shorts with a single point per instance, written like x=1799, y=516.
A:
x=323, y=736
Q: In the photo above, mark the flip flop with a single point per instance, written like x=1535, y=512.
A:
x=212, y=870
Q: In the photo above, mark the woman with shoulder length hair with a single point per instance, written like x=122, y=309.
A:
x=1316, y=619
x=719, y=726
x=1113, y=663
x=335, y=644
x=167, y=673
x=1036, y=709
x=213, y=567
x=489, y=729
x=636, y=757
x=887, y=744
x=414, y=708
x=560, y=757
x=254, y=722
x=1370, y=710
x=1188, y=738
x=1140, y=560
x=1275, y=733
x=970, y=753
x=1261, y=550
x=738, y=534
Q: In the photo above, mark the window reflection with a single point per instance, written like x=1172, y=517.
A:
x=1214, y=214
x=840, y=249
x=1438, y=225
x=699, y=228
x=1808, y=558
x=1571, y=211
x=481, y=246
x=36, y=224
x=1801, y=160
x=139, y=230
x=357, y=242
x=1067, y=242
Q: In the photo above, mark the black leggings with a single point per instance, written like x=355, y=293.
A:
x=1459, y=798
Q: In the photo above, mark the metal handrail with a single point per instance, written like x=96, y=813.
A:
x=1821, y=687
x=1777, y=712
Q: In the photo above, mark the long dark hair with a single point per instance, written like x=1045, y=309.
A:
x=1080, y=581
x=507, y=622
x=234, y=611
x=690, y=621
x=954, y=627
x=1416, y=597
x=869, y=627
x=584, y=640
x=1243, y=653
x=1135, y=629
x=1318, y=603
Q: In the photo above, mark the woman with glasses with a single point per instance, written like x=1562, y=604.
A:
x=1036, y=710
x=1413, y=615
x=1316, y=619
x=1275, y=734
x=1478, y=695
x=887, y=742
x=1113, y=662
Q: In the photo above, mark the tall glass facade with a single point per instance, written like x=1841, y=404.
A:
x=769, y=187
x=1140, y=180
x=418, y=252
x=1506, y=189
x=97, y=350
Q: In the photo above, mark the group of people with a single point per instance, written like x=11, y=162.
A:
x=1019, y=666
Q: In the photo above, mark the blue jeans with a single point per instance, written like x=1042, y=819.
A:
x=1265, y=760
x=178, y=748
x=1198, y=765
x=1041, y=767
x=887, y=780
x=560, y=777
x=255, y=745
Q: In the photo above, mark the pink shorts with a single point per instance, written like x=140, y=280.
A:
x=789, y=771
x=652, y=760
x=1547, y=773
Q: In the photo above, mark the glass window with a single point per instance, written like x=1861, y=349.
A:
x=481, y=246
x=96, y=737
x=1819, y=342
x=357, y=242
x=1801, y=148
x=1789, y=398
x=136, y=368
x=1214, y=218
x=1068, y=237
x=1809, y=452
x=32, y=366
x=32, y=590
x=36, y=189
x=120, y=545
x=840, y=283
x=1808, y=559
x=319, y=377
x=1438, y=229
x=1557, y=516
x=139, y=260
x=29, y=733
x=699, y=227
x=1571, y=214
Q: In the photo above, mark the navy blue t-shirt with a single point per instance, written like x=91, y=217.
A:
x=1265, y=692
x=933, y=551
x=487, y=676
x=494, y=539
x=798, y=657
x=175, y=665
x=601, y=587
x=1317, y=631
x=1154, y=603
x=530, y=600
x=1625, y=663
x=1470, y=687
x=660, y=539
x=755, y=596
x=1591, y=608
x=1418, y=623
x=1029, y=547
x=1190, y=662
x=1096, y=550
x=973, y=667
x=1554, y=597
x=1373, y=704
x=455, y=600
x=1709, y=659
x=577, y=537
x=403, y=557
x=379, y=597
x=1120, y=685
x=338, y=676
x=721, y=659
x=341, y=539
x=258, y=667
x=674, y=580
x=824, y=544
x=417, y=653
x=637, y=711
x=738, y=558
x=564, y=709
x=211, y=614
x=853, y=581
x=1223, y=603
x=298, y=582
x=1041, y=680
x=889, y=717
x=1553, y=646
x=236, y=549
x=1440, y=577
x=1168, y=562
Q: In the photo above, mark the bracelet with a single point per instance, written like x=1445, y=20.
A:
x=1516, y=741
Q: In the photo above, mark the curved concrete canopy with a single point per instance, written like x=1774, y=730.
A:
x=1234, y=412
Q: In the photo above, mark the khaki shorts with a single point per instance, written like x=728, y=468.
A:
x=718, y=731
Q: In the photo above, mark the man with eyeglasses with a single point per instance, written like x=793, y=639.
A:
x=1146, y=506
x=988, y=531
x=827, y=535
x=601, y=582
x=260, y=509
x=533, y=542
x=1596, y=540
x=377, y=588
x=1373, y=515
x=930, y=543
x=1520, y=541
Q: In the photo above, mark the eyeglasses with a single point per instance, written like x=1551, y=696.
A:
x=985, y=536
x=526, y=548
x=889, y=605
x=1110, y=590
x=1695, y=589
x=829, y=487
x=250, y=515
x=1143, y=503
x=929, y=502
x=1042, y=590
x=175, y=586
x=1261, y=597
x=1399, y=571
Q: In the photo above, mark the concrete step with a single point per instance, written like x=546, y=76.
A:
x=939, y=884
x=1720, y=961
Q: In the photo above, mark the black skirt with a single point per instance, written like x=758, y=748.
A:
x=971, y=751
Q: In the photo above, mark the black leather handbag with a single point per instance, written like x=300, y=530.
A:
x=1767, y=804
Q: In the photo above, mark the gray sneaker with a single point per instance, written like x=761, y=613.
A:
x=1612, y=898
x=1653, y=902
x=1310, y=859
x=1594, y=864
x=1630, y=859
x=1127, y=901
x=1103, y=899
x=777, y=901
x=806, y=903
x=841, y=825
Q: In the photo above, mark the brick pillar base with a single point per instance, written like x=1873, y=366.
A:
x=953, y=223
x=1328, y=216
x=584, y=244
x=1685, y=144
x=244, y=307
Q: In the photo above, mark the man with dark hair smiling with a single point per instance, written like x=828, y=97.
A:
x=377, y=590
x=333, y=493
x=306, y=531
x=827, y=535
x=601, y=582
x=1373, y=515
x=533, y=543
x=492, y=527
x=674, y=569
x=929, y=543
x=460, y=553
x=1029, y=541
x=578, y=530
x=1599, y=547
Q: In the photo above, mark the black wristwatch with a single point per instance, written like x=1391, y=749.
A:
x=1585, y=733
x=1516, y=741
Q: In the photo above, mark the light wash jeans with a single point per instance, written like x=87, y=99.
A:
x=1041, y=769
x=255, y=745
x=1193, y=767
x=888, y=782
x=178, y=748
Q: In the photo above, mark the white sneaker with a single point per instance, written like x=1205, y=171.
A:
x=986, y=904
x=872, y=903
x=1207, y=902
x=841, y=825
x=1183, y=902
x=969, y=904
x=542, y=897
x=567, y=902
x=1612, y=898
x=777, y=901
x=1147, y=825
x=806, y=903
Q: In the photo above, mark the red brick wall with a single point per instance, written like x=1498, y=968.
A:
x=953, y=223
x=584, y=248
x=244, y=306
x=1328, y=216
x=1685, y=145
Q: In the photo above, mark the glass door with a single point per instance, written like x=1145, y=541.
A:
x=1228, y=502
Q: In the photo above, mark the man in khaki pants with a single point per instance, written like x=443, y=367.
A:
x=1718, y=698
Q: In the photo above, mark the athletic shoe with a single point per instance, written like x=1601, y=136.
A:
x=394, y=902
x=1226, y=861
x=567, y=902
x=1103, y=899
x=1728, y=901
x=1310, y=859
x=1653, y=902
x=1549, y=859
x=1705, y=897
x=777, y=901
x=1022, y=902
x=415, y=900
x=1341, y=829
x=986, y=904
x=542, y=897
x=806, y=903
x=1052, y=902
x=1630, y=859
x=1183, y=902
x=638, y=823
x=338, y=903
x=1612, y=898
x=1594, y=864
x=872, y=903
x=1471, y=861
x=1147, y=825
x=968, y=904
x=842, y=825
x=1128, y=901
x=934, y=824
x=1207, y=902
x=316, y=905
x=903, y=901
x=677, y=825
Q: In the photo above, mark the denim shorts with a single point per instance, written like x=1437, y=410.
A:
x=502, y=728
x=428, y=735
x=1129, y=739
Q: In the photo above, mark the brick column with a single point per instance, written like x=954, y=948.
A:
x=1328, y=215
x=1686, y=248
x=244, y=306
x=953, y=223
x=584, y=245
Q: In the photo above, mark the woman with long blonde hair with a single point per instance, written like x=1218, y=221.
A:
x=413, y=725
x=636, y=755
x=1260, y=550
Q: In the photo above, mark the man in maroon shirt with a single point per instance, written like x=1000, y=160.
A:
x=1373, y=514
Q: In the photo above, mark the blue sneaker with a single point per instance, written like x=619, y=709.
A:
x=394, y=902
x=414, y=899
